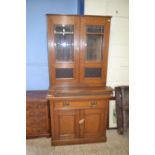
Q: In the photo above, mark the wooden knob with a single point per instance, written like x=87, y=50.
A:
x=81, y=121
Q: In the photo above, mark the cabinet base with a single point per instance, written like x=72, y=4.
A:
x=79, y=141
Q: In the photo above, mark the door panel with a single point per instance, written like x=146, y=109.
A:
x=63, y=43
x=64, y=73
x=94, y=122
x=66, y=124
x=93, y=72
x=94, y=40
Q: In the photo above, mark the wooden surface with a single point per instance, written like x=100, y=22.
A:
x=36, y=100
x=37, y=114
x=36, y=95
x=79, y=64
x=78, y=105
x=79, y=121
x=100, y=21
x=63, y=20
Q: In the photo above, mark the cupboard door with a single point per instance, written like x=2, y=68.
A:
x=63, y=36
x=94, y=36
x=66, y=124
x=92, y=123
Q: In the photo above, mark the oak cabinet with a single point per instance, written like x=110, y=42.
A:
x=79, y=121
x=78, y=95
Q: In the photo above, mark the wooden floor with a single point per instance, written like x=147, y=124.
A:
x=115, y=145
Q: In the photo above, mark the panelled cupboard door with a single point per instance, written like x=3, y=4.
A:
x=66, y=124
x=94, y=40
x=92, y=123
x=63, y=44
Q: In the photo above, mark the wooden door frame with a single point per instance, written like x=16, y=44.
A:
x=103, y=64
x=66, y=20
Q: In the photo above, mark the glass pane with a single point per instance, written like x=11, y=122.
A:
x=95, y=29
x=64, y=29
x=64, y=72
x=64, y=42
x=93, y=72
x=94, y=47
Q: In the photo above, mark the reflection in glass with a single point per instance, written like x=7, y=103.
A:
x=64, y=42
x=94, y=42
x=94, y=47
x=64, y=29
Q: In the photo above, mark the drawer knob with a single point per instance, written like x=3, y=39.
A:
x=81, y=121
x=93, y=104
x=65, y=104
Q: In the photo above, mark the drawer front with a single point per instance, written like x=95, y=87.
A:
x=80, y=104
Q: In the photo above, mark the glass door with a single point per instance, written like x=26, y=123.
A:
x=64, y=51
x=93, y=50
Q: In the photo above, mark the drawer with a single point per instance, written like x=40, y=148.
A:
x=80, y=104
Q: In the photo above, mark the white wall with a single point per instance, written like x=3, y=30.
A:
x=118, y=66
